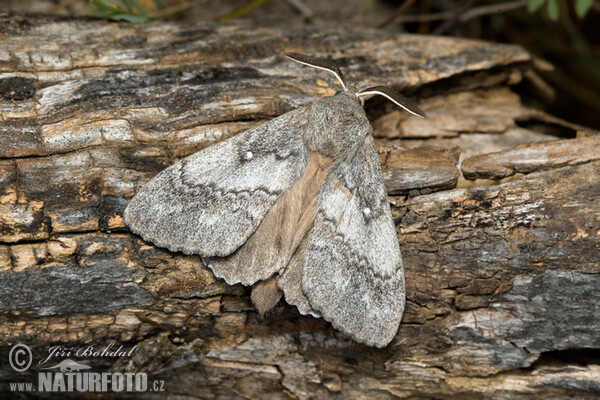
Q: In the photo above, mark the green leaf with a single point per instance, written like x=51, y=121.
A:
x=129, y=5
x=582, y=7
x=135, y=7
x=133, y=18
x=535, y=5
x=553, y=10
x=367, y=7
x=243, y=10
x=105, y=4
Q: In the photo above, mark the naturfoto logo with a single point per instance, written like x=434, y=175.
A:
x=68, y=375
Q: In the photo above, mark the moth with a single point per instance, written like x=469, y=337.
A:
x=294, y=207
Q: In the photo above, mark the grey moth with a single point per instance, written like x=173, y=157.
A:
x=294, y=207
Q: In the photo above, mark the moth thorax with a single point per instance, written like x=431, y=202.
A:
x=337, y=125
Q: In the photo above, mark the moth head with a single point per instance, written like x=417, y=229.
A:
x=386, y=91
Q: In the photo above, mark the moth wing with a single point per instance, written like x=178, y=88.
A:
x=290, y=281
x=353, y=274
x=273, y=243
x=210, y=202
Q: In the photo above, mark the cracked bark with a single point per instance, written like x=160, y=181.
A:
x=502, y=271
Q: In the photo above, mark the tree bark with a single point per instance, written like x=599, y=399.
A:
x=496, y=206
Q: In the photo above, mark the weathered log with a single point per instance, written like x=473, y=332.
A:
x=503, y=284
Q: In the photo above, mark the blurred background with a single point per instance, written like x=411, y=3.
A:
x=563, y=34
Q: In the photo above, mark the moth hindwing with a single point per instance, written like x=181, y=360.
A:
x=295, y=206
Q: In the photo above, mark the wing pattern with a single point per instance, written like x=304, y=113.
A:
x=353, y=274
x=210, y=202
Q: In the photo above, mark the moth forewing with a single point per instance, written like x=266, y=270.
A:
x=353, y=274
x=212, y=201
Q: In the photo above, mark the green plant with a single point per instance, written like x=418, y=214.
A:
x=553, y=7
x=133, y=11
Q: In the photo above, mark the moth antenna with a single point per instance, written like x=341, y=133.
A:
x=319, y=63
x=392, y=94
